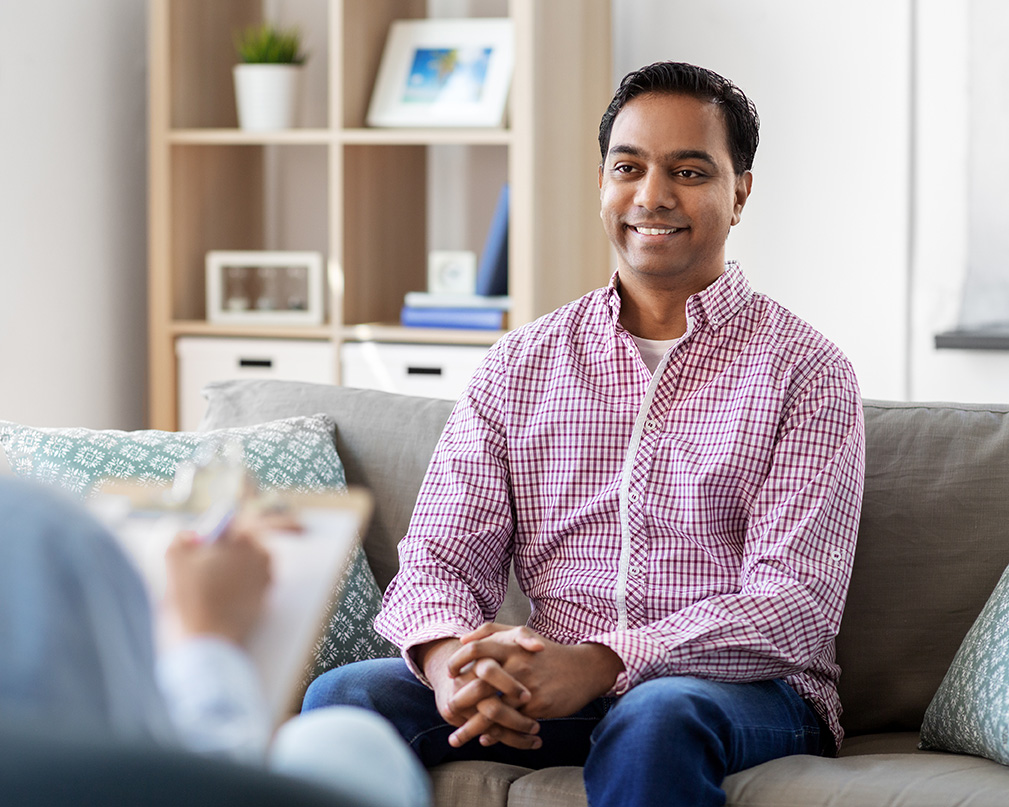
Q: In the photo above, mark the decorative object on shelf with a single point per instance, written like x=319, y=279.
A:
x=478, y=319
x=438, y=72
x=268, y=79
x=422, y=299
x=451, y=272
x=264, y=288
x=492, y=274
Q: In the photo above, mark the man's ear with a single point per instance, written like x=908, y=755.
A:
x=744, y=184
x=600, y=177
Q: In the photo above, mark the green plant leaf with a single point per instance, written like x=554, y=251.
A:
x=269, y=44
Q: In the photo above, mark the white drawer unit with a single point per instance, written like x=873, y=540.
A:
x=205, y=359
x=433, y=371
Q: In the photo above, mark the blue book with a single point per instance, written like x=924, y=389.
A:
x=485, y=319
x=492, y=273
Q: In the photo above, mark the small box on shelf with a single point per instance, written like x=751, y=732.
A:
x=264, y=288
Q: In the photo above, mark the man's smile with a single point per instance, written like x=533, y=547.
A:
x=642, y=229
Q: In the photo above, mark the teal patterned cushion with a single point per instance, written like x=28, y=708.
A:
x=969, y=713
x=349, y=635
x=297, y=454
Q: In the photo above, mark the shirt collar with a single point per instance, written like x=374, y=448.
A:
x=717, y=304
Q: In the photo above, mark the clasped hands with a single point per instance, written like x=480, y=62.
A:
x=495, y=683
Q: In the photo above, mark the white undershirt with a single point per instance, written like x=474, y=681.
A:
x=652, y=350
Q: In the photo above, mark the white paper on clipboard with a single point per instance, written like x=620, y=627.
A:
x=305, y=569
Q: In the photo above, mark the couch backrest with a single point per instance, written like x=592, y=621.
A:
x=932, y=544
x=931, y=540
x=384, y=440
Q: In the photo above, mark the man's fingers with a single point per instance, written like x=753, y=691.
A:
x=503, y=715
x=474, y=727
x=511, y=690
x=464, y=700
x=480, y=726
x=486, y=629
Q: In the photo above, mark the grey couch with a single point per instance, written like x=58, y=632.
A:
x=931, y=547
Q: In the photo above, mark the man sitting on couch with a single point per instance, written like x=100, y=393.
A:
x=674, y=465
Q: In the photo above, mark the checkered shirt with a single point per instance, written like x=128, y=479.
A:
x=698, y=521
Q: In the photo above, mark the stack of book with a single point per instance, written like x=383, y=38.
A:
x=484, y=310
x=481, y=312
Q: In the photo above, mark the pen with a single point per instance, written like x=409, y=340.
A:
x=215, y=520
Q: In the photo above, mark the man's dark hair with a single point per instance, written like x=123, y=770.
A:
x=678, y=78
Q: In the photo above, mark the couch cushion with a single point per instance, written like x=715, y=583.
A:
x=290, y=454
x=970, y=712
x=550, y=787
x=385, y=441
x=931, y=546
x=473, y=784
x=921, y=779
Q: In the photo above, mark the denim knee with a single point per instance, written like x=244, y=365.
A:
x=354, y=684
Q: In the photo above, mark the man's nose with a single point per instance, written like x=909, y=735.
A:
x=656, y=190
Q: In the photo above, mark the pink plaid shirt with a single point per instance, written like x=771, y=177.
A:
x=699, y=521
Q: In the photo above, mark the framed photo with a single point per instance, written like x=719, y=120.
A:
x=265, y=288
x=444, y=73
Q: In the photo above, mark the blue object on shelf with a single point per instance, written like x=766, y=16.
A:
x=488, y=319
x=492, y=273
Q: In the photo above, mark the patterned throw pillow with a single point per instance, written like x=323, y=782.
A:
x=297, y=454
x=294, y=454
x=969, y=713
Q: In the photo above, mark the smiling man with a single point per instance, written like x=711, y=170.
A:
x=674, y=466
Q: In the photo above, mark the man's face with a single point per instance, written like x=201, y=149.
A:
x=668, y=190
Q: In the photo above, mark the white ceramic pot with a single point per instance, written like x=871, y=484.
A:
x=267, y=95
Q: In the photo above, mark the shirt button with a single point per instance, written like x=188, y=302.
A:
x=635, y=571
x=651, y=425
x=632, y=497
x=836, y=556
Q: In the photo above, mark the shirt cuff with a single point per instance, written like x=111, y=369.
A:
x=642, y=658
x=214, y=698
x=430, y=633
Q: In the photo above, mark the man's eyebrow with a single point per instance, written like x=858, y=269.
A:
x=673, y=156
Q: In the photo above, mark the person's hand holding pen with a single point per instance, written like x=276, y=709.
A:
x=218, y=577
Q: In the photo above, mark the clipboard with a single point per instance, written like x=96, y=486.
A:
x=305, y=566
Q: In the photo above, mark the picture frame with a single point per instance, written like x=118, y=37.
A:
x=265, y=287
x=444, y=73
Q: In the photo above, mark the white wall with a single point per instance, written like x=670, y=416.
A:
x=948, y=195
x=73, y=212
x=826, y=229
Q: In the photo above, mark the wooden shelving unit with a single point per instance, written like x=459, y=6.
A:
x=362, y=192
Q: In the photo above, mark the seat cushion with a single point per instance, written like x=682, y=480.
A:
x=473, y=784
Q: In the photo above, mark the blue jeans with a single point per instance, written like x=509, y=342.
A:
x=669, y=741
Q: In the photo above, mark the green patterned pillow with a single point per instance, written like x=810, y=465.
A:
x=297, y=454
x=349, y=635
x=969, y=713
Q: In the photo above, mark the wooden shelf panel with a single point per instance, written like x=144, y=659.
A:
x=378, y=332
x=349, y=137
x=425, y=137
x=369, y=332
x=202, y=328
x=239, y=137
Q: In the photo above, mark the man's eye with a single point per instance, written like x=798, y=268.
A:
x=623, y=168
x=689, y=173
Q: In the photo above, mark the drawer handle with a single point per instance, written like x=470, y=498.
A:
x=423, y=370
x=255, y=363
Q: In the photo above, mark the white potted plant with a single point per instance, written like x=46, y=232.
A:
x=268, y=77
